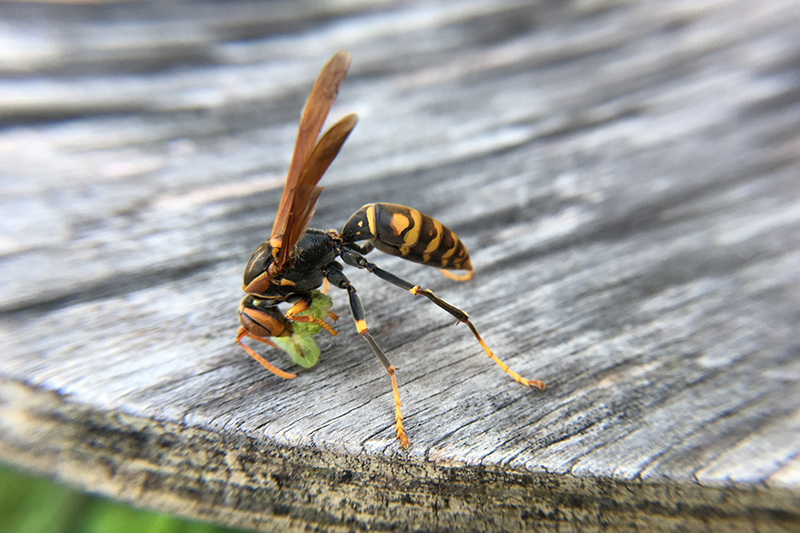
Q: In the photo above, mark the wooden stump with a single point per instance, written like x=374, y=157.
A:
x=626, y=176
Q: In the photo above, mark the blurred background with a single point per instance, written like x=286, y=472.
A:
x=625, y=173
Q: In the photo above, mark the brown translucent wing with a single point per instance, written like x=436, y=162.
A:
x=314, y=112
x=307, y=192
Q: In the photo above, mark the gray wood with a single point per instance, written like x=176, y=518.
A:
x=625, y=175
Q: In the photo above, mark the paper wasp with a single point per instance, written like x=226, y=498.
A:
x=296, y=260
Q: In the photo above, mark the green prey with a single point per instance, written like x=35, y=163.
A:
x=300, y=345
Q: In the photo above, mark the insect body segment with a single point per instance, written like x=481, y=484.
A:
x=405, y=232
x=295, y=260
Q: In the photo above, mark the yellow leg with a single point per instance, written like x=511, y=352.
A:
x=398, y=416
x=458, y=277
x=519, y=379
x=299, y=307
x=338, y=279
x=266, y=364
x=357, y=260
x=461, y=316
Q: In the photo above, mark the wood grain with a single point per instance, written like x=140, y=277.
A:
x=624, y=174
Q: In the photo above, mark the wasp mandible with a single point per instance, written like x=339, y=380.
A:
x=297, y=260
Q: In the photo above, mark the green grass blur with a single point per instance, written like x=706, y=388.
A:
x=34, y=505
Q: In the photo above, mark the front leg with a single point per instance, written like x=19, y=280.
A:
x=357, y=260
x=260, y=321
x=302, y=305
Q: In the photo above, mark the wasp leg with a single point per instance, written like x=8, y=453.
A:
x=303, y=305
x=354, y=259
x=337, y=278
x=458, y=277
x=362, y=249
x=266, y=364
x=324, y=290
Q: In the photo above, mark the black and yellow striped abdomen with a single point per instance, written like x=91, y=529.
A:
x=405, y=232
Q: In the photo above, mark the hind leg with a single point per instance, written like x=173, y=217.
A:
x=357, y=260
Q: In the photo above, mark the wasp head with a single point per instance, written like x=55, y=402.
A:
x=261, y=270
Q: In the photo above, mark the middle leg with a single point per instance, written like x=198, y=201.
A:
x=337, y=278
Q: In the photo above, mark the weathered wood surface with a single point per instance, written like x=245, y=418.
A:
x=626, y=175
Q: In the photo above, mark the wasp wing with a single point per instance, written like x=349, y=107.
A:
x=319, y=102
x=307, y=192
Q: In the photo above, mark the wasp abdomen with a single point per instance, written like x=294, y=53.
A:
x=399, y=230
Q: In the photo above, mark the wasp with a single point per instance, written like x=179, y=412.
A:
x=297, y=260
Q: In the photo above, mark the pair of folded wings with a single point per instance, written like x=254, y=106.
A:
x=307, y=167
